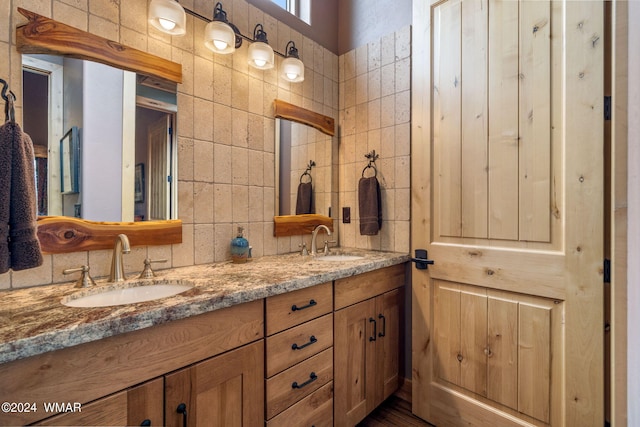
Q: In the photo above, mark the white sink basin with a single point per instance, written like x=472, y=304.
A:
x=129, y=294
x=339, y=257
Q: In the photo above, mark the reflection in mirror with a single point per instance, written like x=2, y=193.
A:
x=69, y=162
x=122, y=119
x=304, y=169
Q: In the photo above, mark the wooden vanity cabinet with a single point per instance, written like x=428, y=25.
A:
x=299, y=358
x=367, y=337
x=104, y=375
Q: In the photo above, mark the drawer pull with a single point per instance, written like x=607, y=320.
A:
x=311, y=304
x=312, y=378
x=384, y=325
x=145, y=423
x=375, y=329
x=312, y=339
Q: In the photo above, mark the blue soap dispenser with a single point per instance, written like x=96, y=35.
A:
x=239, y=247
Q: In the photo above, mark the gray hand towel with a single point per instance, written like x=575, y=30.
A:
x=370, y=205
x=19, y=245
x=304, y=201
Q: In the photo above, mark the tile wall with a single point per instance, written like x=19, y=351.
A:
x=225, y=126
x=375, y=107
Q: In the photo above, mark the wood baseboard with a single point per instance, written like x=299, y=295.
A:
x=404, y=392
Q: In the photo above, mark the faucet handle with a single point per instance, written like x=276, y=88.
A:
x=147, y=272
x=85, y=280
x=304, y=250
x=326, y=249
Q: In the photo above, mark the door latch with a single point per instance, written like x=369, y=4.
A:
x=421, y=259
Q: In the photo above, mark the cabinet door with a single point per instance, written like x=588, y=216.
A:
x=126, y=408
x=388, y=315
x=225, y=391
x=354, y=362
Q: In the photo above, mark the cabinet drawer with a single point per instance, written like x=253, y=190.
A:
x=354, y=289
x=296, y=344
x=314, y=410
x=293, y=308
x=297, y=382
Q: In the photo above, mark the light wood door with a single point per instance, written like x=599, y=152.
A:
x=507, y=114
x=224, y=391
x=130, y=407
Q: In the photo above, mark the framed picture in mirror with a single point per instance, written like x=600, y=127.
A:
x=70, y=162
x=139, y=183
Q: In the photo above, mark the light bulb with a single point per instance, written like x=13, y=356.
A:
x=219, y=37
x=220, y=44
x=259, y=62
x=168, y=16
x=292, y=76
x=167, y=24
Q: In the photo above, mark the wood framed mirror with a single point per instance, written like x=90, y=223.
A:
x=290, y=225
x=42, y=35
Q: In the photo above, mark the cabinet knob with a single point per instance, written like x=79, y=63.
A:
x=146, y=423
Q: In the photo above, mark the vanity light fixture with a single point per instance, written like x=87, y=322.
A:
x=260, y=53
x=168, y=16
x=220, y=35
x=292, y=66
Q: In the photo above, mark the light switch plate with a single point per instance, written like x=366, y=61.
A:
x=346, y=215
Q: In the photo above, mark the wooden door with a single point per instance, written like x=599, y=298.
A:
x=354, y=363
x=388, y=314
x=507, y=197
x=159, y=169
x=224, y=391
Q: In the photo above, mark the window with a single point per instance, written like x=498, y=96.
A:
x=299, y=8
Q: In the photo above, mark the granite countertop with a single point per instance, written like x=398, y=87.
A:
x=34, y=321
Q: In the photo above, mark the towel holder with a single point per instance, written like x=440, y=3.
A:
x=372, y=156
x=306, y=172
x=9, y=111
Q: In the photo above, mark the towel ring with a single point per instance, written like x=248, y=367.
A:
x=307, y=174
x=372, y=166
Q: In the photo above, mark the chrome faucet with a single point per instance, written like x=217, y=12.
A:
x=314, y=236
x=120, y=247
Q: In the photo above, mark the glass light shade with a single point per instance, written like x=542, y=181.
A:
x=261, y=56
x=168, y=16
x=219, y=37
x=292, y=69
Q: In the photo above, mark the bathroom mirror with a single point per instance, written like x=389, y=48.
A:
x=41, y=35
x=304, y=155
x=118, y=119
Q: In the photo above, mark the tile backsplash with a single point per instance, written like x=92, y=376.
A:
x=226, y=135
x=375, y=102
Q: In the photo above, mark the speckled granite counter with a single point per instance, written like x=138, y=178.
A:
x=33, y=320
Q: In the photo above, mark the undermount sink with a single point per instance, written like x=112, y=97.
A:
x=126, y=294
x=339, y=257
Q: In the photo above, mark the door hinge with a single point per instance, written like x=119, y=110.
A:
x=607, y=108
x=606, y=271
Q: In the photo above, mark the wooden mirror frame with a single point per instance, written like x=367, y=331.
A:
x=293, y=225
x=58, y=234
